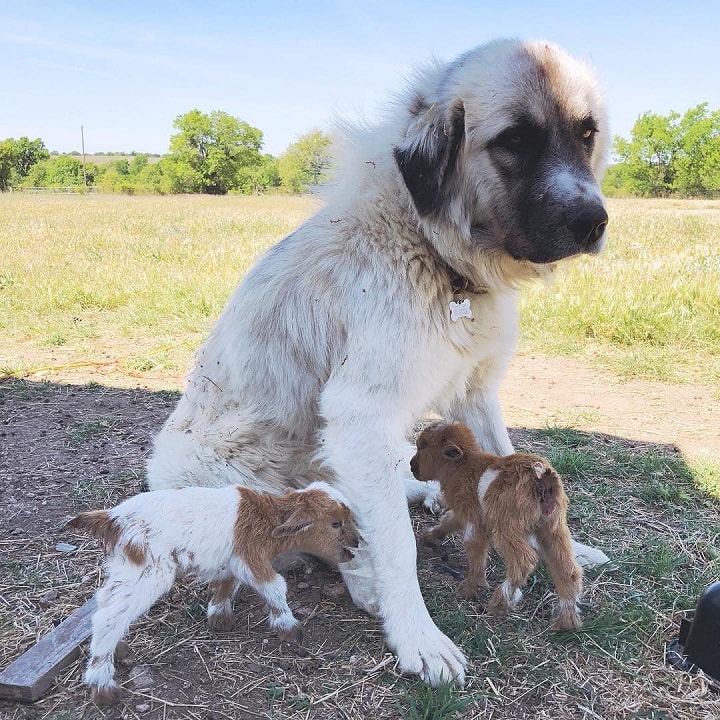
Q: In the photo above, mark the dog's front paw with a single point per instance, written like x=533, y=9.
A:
x=434, y=502
x=105, y=695
x=432, y=656
x=589, y=557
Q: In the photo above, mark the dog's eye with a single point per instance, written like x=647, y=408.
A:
x=337, y=524
x=524, y=139
x=587, y=132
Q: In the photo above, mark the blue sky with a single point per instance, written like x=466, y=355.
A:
x=125, y=70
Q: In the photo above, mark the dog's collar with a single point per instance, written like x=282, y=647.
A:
x=460, y=284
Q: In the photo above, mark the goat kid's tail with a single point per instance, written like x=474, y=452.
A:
x=99, y=524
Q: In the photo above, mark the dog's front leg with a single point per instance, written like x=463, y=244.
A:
x=360, y=442
x=480, y=409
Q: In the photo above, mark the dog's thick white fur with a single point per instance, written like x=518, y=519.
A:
x=343, y=334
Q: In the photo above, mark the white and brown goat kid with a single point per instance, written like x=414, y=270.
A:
x=226, y=536
x=508, y=502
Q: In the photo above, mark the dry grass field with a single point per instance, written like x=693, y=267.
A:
x=104, y=299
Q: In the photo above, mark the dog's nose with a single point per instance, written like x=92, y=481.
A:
x=589, y=224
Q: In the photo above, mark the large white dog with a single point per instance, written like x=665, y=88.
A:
x=399, y=296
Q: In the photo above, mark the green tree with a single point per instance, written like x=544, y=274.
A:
x=16, y=159
x=7, y=163
x=649, y=156
x=60, y=171
x=29, y=152
x=254, y=179
x=306, y=162
x=698, y=162
x=209, y=150
x=669, y=154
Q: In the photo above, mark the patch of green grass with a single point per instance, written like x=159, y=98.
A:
x=146, y=363
x=647, y=307
x=421, y=702
x=82, y=431
x=24, y=389
x=706, y=476
x=107, y=490
x=140, y=271
x=139, y=364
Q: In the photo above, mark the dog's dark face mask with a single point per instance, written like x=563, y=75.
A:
x=523, y=181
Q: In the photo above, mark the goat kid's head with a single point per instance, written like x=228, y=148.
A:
x=441, y=446
x=547, y=487
x=319, y=523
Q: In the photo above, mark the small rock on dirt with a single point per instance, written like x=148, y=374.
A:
x=141, y=677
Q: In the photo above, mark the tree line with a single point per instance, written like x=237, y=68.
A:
x=668, y=155
x=212, y=153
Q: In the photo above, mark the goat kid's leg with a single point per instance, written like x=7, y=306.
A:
x=447, y=525
x=476, y=548
x=281, y=619
x=520, y=560
x=220, y=612
x=556, y=548
x=120, y=601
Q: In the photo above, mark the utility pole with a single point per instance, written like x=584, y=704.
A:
x=82, y=142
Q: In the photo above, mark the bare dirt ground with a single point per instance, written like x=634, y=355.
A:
x=67, y=446
x=543, y=390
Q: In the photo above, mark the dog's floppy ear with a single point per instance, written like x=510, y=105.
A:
x=426, y=157
x=452, y=452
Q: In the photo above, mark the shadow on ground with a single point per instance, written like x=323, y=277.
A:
x=67, y=448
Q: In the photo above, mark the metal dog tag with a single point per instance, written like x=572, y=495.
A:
x=460, y=310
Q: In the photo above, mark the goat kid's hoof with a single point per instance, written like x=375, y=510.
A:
x=293, y=635
x=429, y=538
x=104, y=696
x=221, y=622
x=470, y=590
x=566, y=621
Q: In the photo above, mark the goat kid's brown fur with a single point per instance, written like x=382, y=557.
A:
x=268, y=525
x=526, y=498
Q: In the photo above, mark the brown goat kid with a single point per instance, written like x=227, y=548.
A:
x=226, y=536
x=511, y=503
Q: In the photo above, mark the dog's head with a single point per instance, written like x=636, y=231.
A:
x=507, y=144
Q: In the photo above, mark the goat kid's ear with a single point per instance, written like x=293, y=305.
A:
x=453, y=452
x=297, y=522
x=539, y=469
x=426, y=156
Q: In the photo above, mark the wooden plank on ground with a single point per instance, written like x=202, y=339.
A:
x=28, y=677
